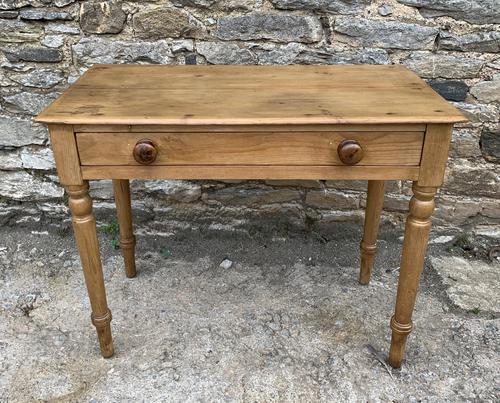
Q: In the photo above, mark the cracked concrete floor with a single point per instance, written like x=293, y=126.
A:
x=287, y=322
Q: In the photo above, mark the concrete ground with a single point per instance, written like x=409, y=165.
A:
x=286, y=322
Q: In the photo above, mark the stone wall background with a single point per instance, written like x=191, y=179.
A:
x=47, y=44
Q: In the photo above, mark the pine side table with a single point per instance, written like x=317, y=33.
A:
x=345, y=122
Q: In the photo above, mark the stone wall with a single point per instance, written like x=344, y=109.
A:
x=47, y=44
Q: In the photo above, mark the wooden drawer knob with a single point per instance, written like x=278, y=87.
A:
x=350, y=152
x=145, y=152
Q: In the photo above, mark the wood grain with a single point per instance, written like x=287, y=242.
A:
x=93, y=128
x=374, y=204
x=213, y=95
x=84, y=226
x=435, y=154
x=214, y=172
x=121, y=189
x=418, y=225
x=253, y=148
x=65, y=151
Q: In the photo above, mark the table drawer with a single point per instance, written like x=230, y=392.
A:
x=251, y=148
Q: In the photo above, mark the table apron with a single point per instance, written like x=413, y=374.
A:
x=250, y=172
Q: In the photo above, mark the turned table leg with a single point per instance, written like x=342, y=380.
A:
x=84, y=226
x=121, y=189
x=418, y=225
x=374, y=204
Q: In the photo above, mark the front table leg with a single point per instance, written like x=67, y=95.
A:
x=417, y=229
x=84, y=226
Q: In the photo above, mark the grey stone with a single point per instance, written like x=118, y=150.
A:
x=102, y=17
x=332, y=56
x=471, y=284
x=63, y=3
x=452, y=90
x=13, y=4
x=194, y=3
x=62, y=29
x=473, y=11
x=244, y=196
x=33, y=54
x=41, y=78
x=167, y=22
x=479, y=113
x=43, y=14
x=9, y=14
x=175, y=190
x=14, y=31
x=10, y=160
x=39, y=158
x=272, y=53
x=488, y=41
x=225, y=53
x=53, y=41
x=226, y=264
x=487, y=91
x=29, y=103
x=437, y=65
x=331, y=199
x=490, y=145
x=464, y=177
x=19, y=185
x=16, y=132
x=385, y=34
x=384, y=10
x=332, y=6
x=273, y=27
x=91, y=50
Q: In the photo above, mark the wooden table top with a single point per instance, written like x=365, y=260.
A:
x=233, y=95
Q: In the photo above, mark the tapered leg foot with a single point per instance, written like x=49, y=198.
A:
x=84, y=226
x=417, y=229
x=374, y=204
x=121, y=189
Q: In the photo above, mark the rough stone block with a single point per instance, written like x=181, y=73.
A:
x=29, y=103
x=479, y=113
x=13, y=4
x=437, y=65
x=385, y=34
x=332, y=6
x=167, y=22
x=452, y=90
x=244, y=196
x=33, y=54
x=10, y=160
x=9, y=14
x=465, y=177
x=332, y=56
x=19, y=185
x=273, y=27
x=331, y=199
x=488, y=42
x=490, y=146
x=487, y=91
x=43, y=14
x=37, y=158
x=14, y=31
x=16, y=132
x=225, y=53
x=40, y=78
x=473, y=11
x=102, y=17
x=91, y=50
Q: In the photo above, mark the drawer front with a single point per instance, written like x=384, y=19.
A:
x=251, y=148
